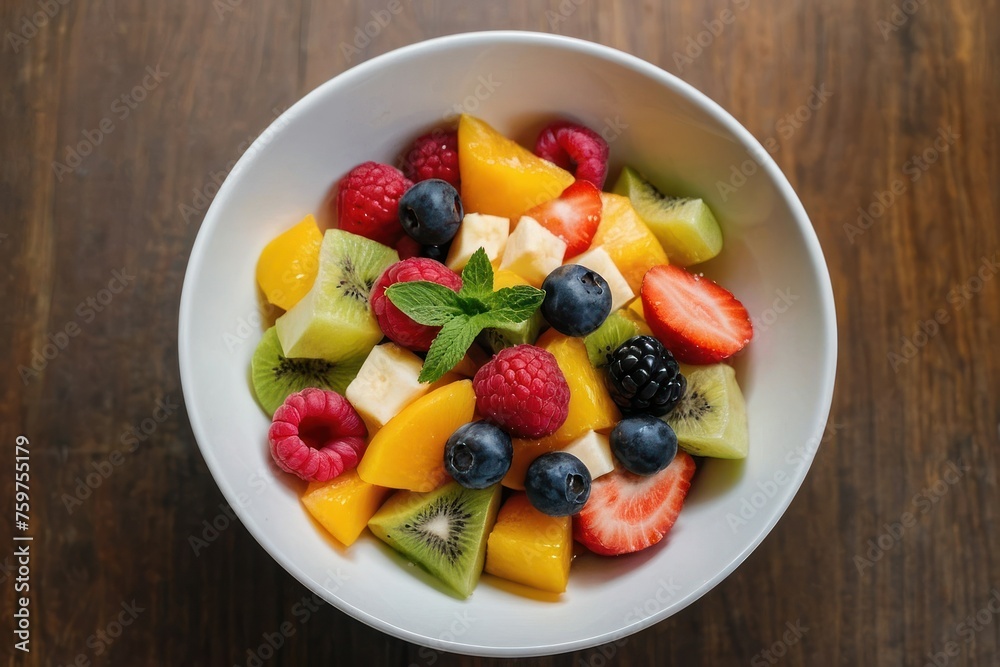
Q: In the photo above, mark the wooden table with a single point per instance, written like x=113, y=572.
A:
x=118, y=119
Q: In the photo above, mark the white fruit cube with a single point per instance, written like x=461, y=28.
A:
x=489, y=232
x=386, y=383
x=597, y=259
x=533, y=252
x=594, y=450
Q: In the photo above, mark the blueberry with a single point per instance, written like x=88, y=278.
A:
x=431, y=212
x=558, y=484
x=577, y=300
x=644, y=444
x=436, y=252
x=478, y=455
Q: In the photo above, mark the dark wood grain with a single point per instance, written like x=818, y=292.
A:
x=132, y=205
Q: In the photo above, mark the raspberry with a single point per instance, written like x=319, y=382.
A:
x=316, y=434
x=523, y=390
x=368, y=202
x=575, y=148
x=433, y=155
x=394, y=324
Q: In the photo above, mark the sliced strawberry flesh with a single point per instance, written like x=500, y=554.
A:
x=574, y=217
x=627, y=513
x=696, y=319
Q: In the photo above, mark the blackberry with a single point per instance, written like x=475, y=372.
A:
x=644, y=378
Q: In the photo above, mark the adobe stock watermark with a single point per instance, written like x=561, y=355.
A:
x=779, y=649
x=454, y=628
x=86, y=311
x=365, y=34
x=767, y=489
x=613, y=128
x=30, y=24
x=211, y=529
x=121, y=108
x=100, y=642
x=958, y=297
x=785, y=127
x=130, y=438
x=966, y=631
x=246, y=327
x=783, y=302
x=899, y=16
x=604, y=655
x=203, y=195
x=913, y=169
x=302, y=611
x=562, y=13
x=223, y=7
x=486, y=85
x=920, y=504
x=696, y=45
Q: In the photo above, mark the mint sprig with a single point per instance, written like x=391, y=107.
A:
x=463, y=315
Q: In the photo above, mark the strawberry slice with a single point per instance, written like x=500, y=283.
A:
x=573, y=217
x=696, y=319
x=628, y=512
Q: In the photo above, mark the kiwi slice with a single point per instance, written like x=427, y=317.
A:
x=275, y=376
x=498, y=338
x=685, y=227
x=443, y=531
x=602, y=343
x=711, y=418
x=333, y=320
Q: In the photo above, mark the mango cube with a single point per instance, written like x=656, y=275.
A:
x=529, y=547
x=499, y=177
x=288, y=265
x=408, y=452
x=626, y=238
x=344, y=504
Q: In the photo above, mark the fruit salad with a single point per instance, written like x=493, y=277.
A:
x=493, y=364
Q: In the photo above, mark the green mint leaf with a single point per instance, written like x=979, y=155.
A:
x=477, y=277
x=511, y=305
x=426, y=302
x=449, y=347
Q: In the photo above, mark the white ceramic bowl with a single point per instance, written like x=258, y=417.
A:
x=517, y=81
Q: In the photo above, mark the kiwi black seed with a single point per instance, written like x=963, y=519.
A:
x=602, y=343
x=443, y=531
x=276, y=376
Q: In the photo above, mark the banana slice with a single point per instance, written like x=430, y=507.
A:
x=594, y=450
x=386, y=383
x=532, y=251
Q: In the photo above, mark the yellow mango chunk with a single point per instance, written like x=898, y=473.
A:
x=408, y=452
x=288, y=265
x=626, y=238
x=504, y=278
x=590, y=405
x=499, y=177
x=344, y=504
x=529, y=547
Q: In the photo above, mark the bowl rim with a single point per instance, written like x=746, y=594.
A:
x=685, y=90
